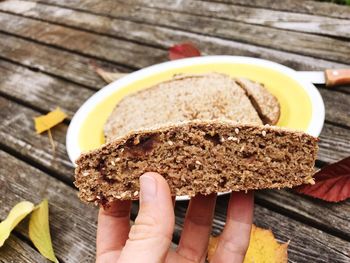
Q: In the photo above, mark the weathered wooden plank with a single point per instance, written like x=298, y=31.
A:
x=45, y=92
x=72, y=223
x=310, y=209
x=300, y=6
x=16, y=250
x=258, y=16
x=292, y=6
x=306, y=44
x=306, y=243
x=18, y=82
x=250, y=15
x=334, y=144
x=17, y=133
x=82, y=42
x=40, y=90
x=337, y=106
x=54, y=61
x=167, y=37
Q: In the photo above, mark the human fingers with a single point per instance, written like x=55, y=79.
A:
x=197, y=228
x=112, y=230
x=150, y=236
x=234, y=240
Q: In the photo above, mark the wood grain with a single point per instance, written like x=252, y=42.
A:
x=16, y=250
x=18, y=82
x=165, y=37
x=17, y=133
x=250, y=15
x=51, y=48
x=63, y=64
x=306, y=243
x=334, y=143
x=47, y=92
x=309, y=209
x=306, y=44
x=295, y=6
x=337, y=106
x=72, y=223
x=82, y=42
x=40, y=90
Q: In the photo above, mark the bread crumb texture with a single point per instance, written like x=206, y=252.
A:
x=197, y=157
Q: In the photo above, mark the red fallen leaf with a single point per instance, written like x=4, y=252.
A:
x=332, y=182
x=184, y=50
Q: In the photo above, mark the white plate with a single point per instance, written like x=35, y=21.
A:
x=277, y=78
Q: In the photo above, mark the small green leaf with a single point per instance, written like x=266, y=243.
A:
x=17, y=213
x=39, y=231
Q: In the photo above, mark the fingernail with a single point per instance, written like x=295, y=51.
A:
x=148, y=188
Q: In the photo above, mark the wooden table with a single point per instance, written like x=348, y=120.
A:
x=45, y=50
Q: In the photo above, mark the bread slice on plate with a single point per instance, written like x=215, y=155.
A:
x=197, y=157
x=184, y=98
x=263, y=101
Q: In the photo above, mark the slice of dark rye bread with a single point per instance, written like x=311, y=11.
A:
x=198, y=157
x=186, y=97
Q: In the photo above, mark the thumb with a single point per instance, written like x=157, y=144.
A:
x=150, y=236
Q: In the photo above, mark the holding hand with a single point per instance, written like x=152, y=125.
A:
x=149, y=239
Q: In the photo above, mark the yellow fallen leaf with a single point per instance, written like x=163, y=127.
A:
x=263, y=247
x=109, y=76
x=46, y=122
x=213, y=243
x=39, y=231
x=17, y=213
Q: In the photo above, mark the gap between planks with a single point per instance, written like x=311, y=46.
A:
x=45, y=59
x=295, y=22
x=79, y=28
x=137, y=17
x=67, y=50
x=48, y=168
x=290, y=6
x=17, y=250
x=312, y=24
x=195, y=34
x=78, y=245
x=295, y=6
x=47, y=92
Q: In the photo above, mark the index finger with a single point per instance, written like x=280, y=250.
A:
x=112, y=230
x=234, y=240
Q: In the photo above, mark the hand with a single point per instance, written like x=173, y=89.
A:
x=149, y=239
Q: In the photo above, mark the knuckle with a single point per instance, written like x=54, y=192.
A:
x=146, y=219
x=235, y=247
x=145, y=227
